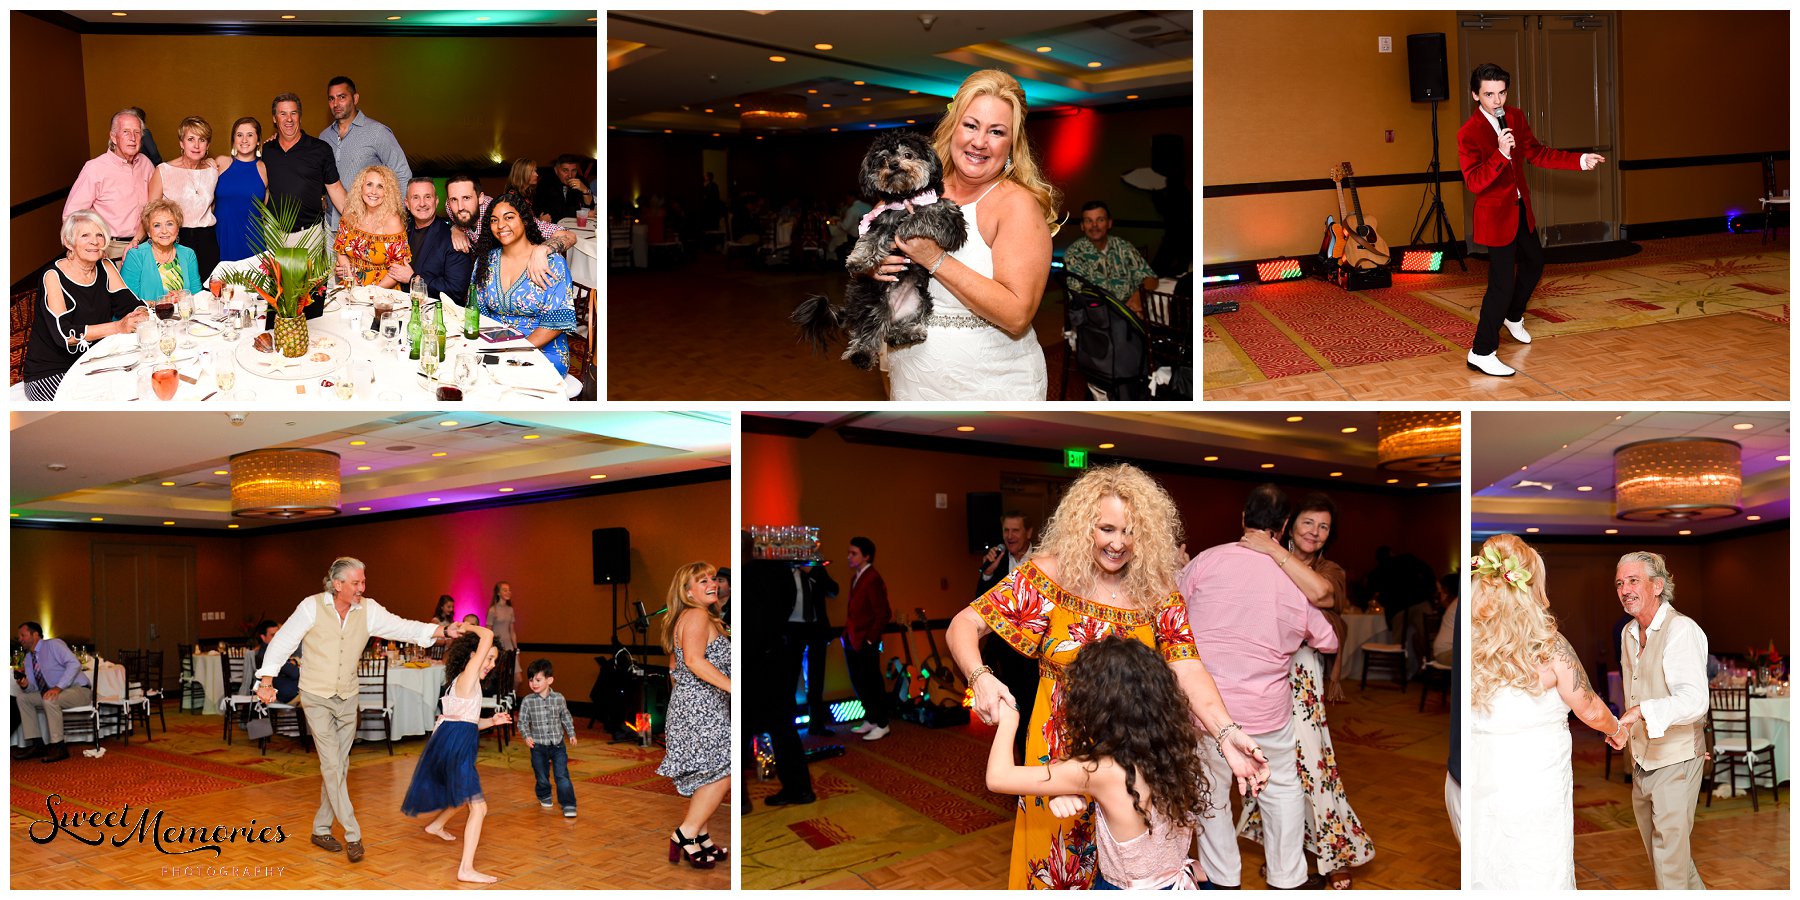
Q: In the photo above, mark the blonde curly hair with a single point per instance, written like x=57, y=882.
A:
x=1024, y=172
x=1510, y=625
x=392, y=203
x=1151, y=520
x=679, y=602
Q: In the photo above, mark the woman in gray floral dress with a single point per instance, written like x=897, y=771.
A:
x=698, y=724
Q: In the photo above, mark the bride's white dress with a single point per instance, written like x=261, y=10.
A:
x=1519, y=790
x=964, y=357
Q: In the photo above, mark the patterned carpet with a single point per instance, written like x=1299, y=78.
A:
x=1297, y=327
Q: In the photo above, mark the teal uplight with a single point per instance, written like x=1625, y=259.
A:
x=482, y=17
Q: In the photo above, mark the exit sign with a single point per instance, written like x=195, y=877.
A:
x=1075, y=459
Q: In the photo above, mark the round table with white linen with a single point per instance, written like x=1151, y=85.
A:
x=1769, y=722
x=413, y=695
x=209, y=668
x=1359, y=628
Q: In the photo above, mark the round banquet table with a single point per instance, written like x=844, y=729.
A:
x=395, y=377
x=413, y=695
x=209, y=668
x=1359, y=628
x=1769, y=721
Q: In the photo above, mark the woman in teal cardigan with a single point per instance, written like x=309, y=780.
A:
x=157, y=266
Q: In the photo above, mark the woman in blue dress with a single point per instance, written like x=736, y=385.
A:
x=504, y=292
x=242, y=181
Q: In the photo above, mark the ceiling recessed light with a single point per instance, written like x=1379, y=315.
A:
x=364, y=508
x=449, y=423
x=1612, y=531
x=1337, y=474
x=821, y=46
x=1209, y=459
x=1349, y=429
x=440, y=453
x=397, y=18
x=1531, y=531
x=506, y=490
x=531, y=437
x=1108, y=446
x=859, y=83
x=911, y=121
x=595, y=477
x=741, y=106
x=1131, y=96
x=1393, y=481
x=1742, y=426
x=965, y=428
x=867, y=99
x=777, y=59
x=715, y=134
x=1296, y=418
x=1685, y=531
x=1423, y=484
x=592, y=19
x=1268, y=465
x=168, y=521
x=759, y=137
x=432, y=499
x=231, y=526
x=825, y=105
x=1093, y=65
x=364, y=468
x=834, y=129
x=15, y=515
x=168, y=484
x=118, y=14
x=97, y=519
x=285, y=17
x=668, y=131
x=221, y=472
x=812, y=90
x=1043, y=49
x=359, y=443
x=481, y=18
x=1782, y=458
x=912, y=92
x=1753, y=518
x=1585, y=488
x=709, y=109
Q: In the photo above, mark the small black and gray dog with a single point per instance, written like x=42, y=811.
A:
x=904, y=179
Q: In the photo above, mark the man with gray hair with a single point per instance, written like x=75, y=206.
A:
x=333, y=626
x=1663, y=655
x=115, y=184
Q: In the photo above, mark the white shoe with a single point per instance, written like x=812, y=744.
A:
x=861, y=728
x=1517, y=330
x=1489, y=364
x=876, y=733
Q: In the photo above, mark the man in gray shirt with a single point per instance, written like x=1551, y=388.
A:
x=358, y=141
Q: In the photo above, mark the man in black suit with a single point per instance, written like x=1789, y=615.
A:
x=1018, y=673
x=560, y=197
x=768, y=677
x=808, y=632
x=434, y=257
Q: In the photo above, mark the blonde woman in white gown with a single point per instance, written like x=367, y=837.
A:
x=979, y=341
x=1518, y=785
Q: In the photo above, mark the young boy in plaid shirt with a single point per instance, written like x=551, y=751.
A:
x=543, y=720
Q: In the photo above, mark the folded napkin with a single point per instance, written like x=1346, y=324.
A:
x=540, y=375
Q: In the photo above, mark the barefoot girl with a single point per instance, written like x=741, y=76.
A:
x=445, y=778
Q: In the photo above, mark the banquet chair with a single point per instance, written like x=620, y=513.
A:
x=500, y=694
x=1169, y=318
x=1387, y=656
x=373, y=706
x=134, y=707
x=24, y=312
x=1770, y=200
x=84, y=720
x=582, y=362
x=235, y=661
x=289, y=721
x=191, y=688
x=1434, y=674
x=1733, y=742
x=150, y=675
x=618, y=243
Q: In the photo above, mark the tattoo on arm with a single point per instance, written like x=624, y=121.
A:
x=1562, y=651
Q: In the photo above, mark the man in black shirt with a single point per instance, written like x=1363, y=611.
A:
x=561, y=198
x=301, y=167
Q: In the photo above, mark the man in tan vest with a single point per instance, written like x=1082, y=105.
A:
x=1664, y=675
x=332, y=627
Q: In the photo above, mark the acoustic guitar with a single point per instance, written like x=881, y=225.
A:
x=1363, y=246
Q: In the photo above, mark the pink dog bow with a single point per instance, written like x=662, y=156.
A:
x=923, y=198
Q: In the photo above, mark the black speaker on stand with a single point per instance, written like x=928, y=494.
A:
x=984, y=520
x=1428, y=75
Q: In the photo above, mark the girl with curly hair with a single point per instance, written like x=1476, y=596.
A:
x=445, y=780
x=504, y=292
x=1106, y=567
x=372, y=234
x=1526, y=679
x=1140, y=765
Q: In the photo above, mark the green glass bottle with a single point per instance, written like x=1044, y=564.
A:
x=471, y=318
x=415, y=327
x=437, y=322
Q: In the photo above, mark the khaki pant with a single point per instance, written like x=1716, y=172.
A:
x=332, y=721
x=1283, y=807
x=1663, y=801
x=115, y=248
x=29, y=704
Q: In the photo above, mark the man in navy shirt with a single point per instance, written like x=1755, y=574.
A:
x=433, y=258
x=53, y=681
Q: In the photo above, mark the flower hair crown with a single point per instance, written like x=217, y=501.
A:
x=1490, y=564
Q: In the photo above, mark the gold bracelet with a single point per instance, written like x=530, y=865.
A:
x=984, y=670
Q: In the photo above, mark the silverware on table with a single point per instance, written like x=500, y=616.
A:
x=112, y=355
x=209, y=396
x=124, y=368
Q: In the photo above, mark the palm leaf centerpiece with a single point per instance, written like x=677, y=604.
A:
x=287, y=272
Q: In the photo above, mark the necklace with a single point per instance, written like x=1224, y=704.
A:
x=86, y=270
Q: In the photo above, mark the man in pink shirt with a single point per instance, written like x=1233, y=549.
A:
x=1248, y=620
x=115, y=184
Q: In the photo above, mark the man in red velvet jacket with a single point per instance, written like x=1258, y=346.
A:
x=868, y=615
x=1491, y=148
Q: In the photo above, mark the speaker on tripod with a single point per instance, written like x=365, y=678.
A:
x=1428, y=76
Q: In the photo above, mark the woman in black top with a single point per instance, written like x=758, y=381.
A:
x=84, y=300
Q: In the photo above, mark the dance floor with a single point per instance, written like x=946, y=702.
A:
x=706, y=331
x=1734, y=847
x=912, y=811
x=1715, y=308
x=188, y=775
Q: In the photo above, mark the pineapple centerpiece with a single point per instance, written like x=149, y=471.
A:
x=289, y=269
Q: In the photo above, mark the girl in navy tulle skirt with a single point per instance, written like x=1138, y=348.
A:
x=445, y=778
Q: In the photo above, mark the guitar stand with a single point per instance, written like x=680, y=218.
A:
x=1442, y=233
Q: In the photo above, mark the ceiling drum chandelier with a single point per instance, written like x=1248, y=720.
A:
x=771, y=111
x=1678, y=479
x=1428, y=442
x=285, y=483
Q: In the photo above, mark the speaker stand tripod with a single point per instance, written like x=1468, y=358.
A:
x=1435, y=216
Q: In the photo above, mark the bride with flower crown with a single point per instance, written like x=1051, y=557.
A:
x=1526, y=681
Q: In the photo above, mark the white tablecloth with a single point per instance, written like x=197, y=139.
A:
x=413, y=694
x=210, y=669
x=1769, y=721
x=1359, y=628
x=584, y=259
x=394, y=377
x=112, y=687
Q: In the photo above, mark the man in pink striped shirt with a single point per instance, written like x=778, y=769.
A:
x=116, y=184
x=1249, y=619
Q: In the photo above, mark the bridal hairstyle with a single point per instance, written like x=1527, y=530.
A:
x=679, y=602
x=393, y=200
x=1024, y=171
x=1150, y=518
x=1511, y=628
x=1141, y=736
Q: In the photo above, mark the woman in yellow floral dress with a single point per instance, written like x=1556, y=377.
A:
x=1106, y=566
x=372, y=234
x=1334, y=835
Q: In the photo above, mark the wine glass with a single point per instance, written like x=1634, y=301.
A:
x=165, y=338
x=343, y=381
x=225, y=372
x=163, y=379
